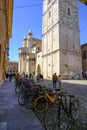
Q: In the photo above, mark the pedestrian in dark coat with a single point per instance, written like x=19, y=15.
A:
x=54, y=78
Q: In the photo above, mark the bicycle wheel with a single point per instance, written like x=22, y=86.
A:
x=21, y=98
x=29, y=101
x=40, y=104
x=55, y=122
x=75, y=110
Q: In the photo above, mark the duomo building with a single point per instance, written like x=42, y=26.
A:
x=30, y=60
x=60, y=50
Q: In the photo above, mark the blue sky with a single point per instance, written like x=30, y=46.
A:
x=27, y=15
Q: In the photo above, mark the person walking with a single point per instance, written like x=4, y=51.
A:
x=6, y=75
x=23, y=75
x=38, y=77
x=59, y=82
x=54, y=79
x=10, y=76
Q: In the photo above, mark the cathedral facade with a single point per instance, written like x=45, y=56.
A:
x=61, y=50
x=30, y=53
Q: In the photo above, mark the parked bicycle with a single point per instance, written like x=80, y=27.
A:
x=59, y=117
x=46, y=99
x=29, y=94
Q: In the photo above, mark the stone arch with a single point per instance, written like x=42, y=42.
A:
x=38, y=69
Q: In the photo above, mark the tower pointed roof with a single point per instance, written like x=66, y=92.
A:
x=30, y=32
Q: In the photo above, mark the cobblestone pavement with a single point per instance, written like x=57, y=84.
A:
x=12, y=115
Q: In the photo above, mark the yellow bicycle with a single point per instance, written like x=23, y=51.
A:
x=48, y=97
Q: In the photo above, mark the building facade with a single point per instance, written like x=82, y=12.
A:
x=6, y=13
x=13, y=67
x=30, y=60
x=61, y=51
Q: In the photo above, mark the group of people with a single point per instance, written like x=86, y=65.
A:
x=56, y=81
x=9, y=76
x=26, y=76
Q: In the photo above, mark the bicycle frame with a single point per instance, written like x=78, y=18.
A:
x=51, y=98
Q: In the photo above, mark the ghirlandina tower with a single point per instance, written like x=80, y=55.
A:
x=61, y=50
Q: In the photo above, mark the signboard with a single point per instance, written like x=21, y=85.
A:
x=84, y=1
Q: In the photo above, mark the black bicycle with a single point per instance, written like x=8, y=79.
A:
x=59, y=116
x=29, y=94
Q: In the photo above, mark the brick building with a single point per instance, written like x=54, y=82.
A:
x=12, y=67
